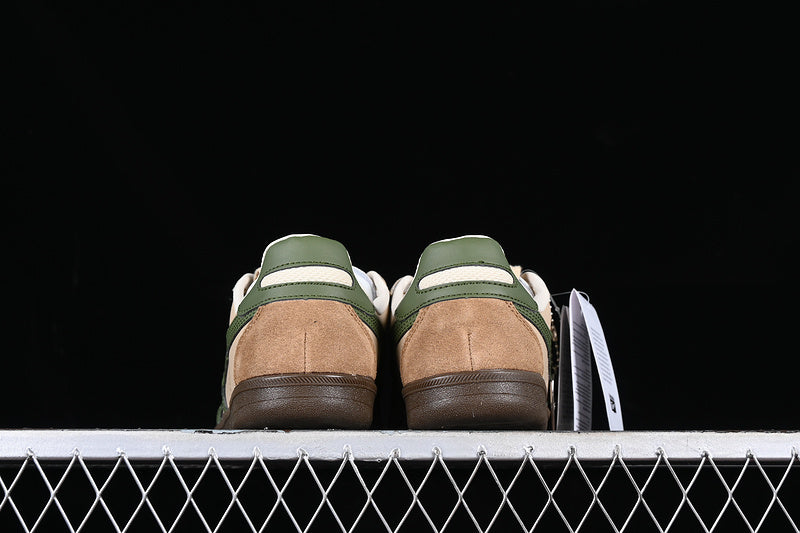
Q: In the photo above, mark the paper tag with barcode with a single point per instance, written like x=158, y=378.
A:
x=586, y=336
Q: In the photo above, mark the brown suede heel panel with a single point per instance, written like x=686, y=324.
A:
x=469, y=334
x=305, y=336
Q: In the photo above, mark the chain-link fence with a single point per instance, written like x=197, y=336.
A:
x=398, y=481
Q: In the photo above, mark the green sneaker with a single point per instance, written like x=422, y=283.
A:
x=302, y=344
x=473, y=339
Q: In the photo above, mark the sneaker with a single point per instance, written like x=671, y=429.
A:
x=473, y=339
x=302, y=342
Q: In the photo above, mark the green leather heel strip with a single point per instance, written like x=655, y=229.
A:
x=353, y=296
x=298, y=251
x=536, y=318
x=532, y=314
x=238, y=323
x=241, y=320
x=415, y=300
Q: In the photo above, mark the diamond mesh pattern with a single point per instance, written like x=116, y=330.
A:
x=524, y=493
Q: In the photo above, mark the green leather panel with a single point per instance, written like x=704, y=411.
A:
x=479, y=251
x=305, y=251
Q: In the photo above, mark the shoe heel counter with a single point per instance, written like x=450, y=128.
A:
x=307, y=267
x=304, y=336
x=470, y=334
x=301, y=278
x=469, y=267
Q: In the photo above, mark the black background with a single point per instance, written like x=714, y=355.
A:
x=632, y=151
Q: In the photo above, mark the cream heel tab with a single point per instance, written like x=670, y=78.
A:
x=538, y=289
x=398, y=291
x=240, y=289
x=382, y=297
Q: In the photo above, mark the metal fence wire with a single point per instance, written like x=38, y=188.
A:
x=398, y=481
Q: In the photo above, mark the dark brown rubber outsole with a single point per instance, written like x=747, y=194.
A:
x=301, y=401
x=481, y=399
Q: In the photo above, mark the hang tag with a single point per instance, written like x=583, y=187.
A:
x=565, y=404
x=585, y=336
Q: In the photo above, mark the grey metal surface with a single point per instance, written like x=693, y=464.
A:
x=183, y=480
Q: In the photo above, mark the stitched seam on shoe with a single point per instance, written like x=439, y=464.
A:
x=463, y=263
x=367, y=333
x=469, y=348
x=526, y=324
x=289, y=264
x=243, y=332
x=546, y=337
x=231, y=334
x=365, y=329
x=500, y=296
x=522, y=320
x=301, y=297
x=534, y=332
x=413, y=330
x=402, y=320
x=457, y=283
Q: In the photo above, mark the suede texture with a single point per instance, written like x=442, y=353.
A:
x=469, y=334
x=305, y=336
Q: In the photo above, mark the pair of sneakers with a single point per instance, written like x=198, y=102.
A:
x=472, y=336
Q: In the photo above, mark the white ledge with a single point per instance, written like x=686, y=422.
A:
x=62, y=444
